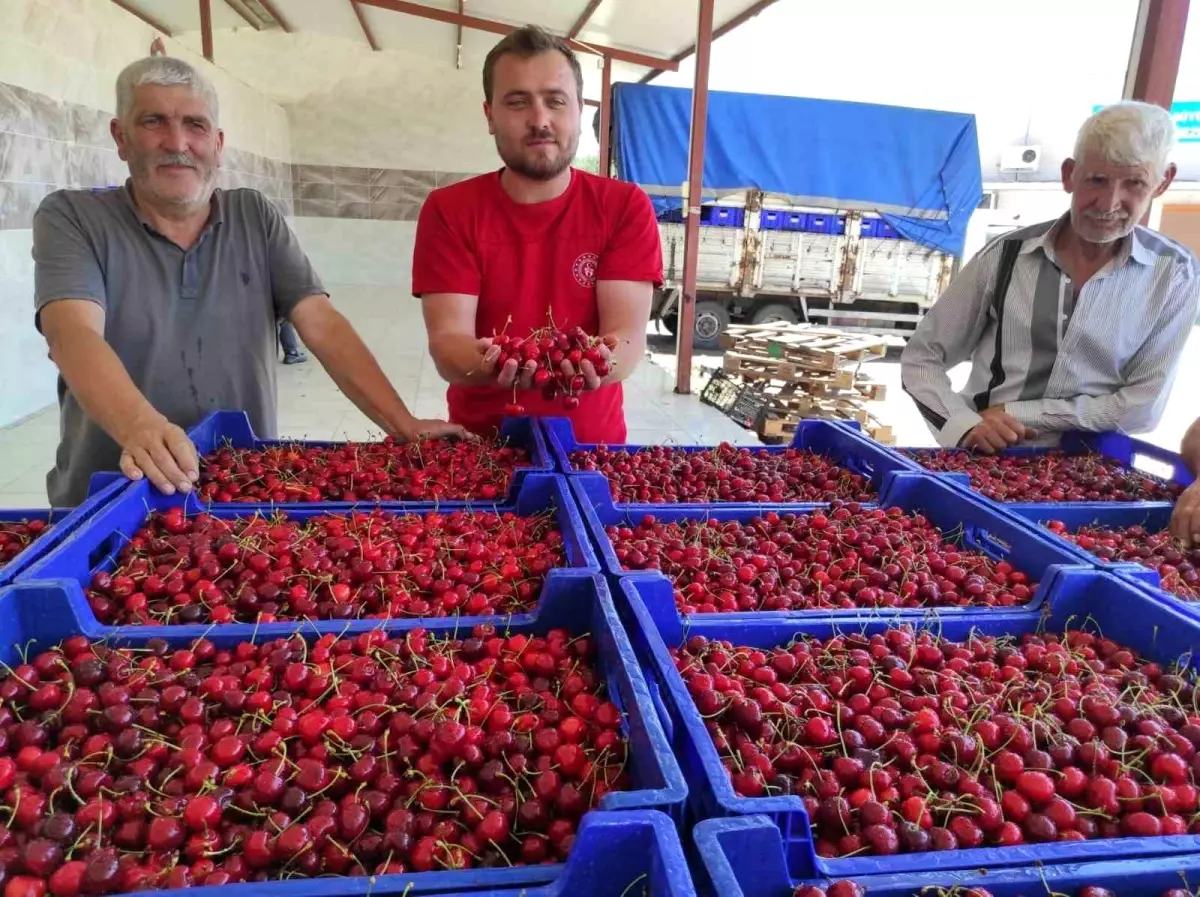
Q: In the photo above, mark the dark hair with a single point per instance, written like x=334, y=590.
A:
x=525, y=42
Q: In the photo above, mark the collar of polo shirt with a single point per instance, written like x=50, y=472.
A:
x=216, y=203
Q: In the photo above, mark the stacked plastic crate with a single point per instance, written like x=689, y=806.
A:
x=180, y=624
x=762, y=702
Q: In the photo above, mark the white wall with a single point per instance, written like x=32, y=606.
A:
x=69, y=52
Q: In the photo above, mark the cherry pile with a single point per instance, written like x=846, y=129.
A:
x=125, y=770
x=1176, y=563
x=180, y=569
x=15, y=536
x=845, y=557
x=1048, y=476
x=904, y=742
x=548, y=348
x=664, y=474
x=845, y=888
x=429, y=470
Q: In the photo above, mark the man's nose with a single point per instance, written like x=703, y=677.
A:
x=1110, y=197
x=541, y=117
x=174, y=138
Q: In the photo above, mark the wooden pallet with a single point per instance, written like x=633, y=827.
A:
x=774, y=428
x=805, y=345
x=754, y=367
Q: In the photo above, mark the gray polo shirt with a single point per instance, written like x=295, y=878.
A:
x=194, y=328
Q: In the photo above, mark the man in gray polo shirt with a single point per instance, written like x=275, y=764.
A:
x=159, y=299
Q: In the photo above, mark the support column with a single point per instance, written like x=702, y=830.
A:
x=695, y=190
x=606, y=118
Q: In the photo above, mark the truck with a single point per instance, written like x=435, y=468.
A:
x=849, y=214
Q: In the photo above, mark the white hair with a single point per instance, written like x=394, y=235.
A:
x=163, y=71
x=1128, y=133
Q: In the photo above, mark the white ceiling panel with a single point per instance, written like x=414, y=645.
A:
x=334, y=18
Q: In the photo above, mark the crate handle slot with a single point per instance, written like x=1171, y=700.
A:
x=105, y=551
x=993, y=546
x=1151, y=465
x=660, y=708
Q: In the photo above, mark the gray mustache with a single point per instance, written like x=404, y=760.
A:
x=178, y=159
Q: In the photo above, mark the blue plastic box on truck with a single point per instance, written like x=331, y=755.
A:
x=843, y=445
x=62, y=522
x=1134, y=455
x=1088, y=600
x=964, y=520
x=744, y=857
x=233, y=429
x=96, y=545
x=36, y=616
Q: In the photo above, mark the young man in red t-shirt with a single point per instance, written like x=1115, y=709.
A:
x=534, y=244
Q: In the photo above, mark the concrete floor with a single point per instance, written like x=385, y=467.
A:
x=312, y=407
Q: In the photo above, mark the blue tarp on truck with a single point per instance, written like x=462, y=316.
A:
x=917, y=168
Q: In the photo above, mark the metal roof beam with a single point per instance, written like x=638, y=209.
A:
x=740, y=19
x=478, y=24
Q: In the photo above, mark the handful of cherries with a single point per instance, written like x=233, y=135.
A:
x=557, y=356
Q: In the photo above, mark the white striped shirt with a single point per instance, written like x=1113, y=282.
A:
x=1104, y=361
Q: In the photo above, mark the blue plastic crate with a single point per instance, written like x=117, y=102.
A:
x=65, y=521
x=772, y=219
x=722, y=216
x=885, y=231
x=1084, y=599
x=95, y=545
x=233, y=428
x=1039, y=555
x=794, y=221
x=1154, y=518
x=37, y=615
x=844, y=445
x=870, y=227
x=1124, y=450
x=632, y=853
x=745, y=858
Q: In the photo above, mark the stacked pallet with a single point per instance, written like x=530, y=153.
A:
x=798, y=371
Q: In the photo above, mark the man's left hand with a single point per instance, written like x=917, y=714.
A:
x=1185, y=522
x=591, y=379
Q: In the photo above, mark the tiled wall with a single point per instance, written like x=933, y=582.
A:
x=46, y=144
x=376, y=194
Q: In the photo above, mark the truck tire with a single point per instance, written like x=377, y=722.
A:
x=774, y=313
x=712, y=319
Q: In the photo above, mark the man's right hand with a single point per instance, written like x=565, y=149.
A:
x=1185, y=521
x=997, y=431
x=160, y=451
x=511, y=374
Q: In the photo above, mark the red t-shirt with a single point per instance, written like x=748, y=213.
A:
x=530, y=261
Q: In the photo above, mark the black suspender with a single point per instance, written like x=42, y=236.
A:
x=1008, y=260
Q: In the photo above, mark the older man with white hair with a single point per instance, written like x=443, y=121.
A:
x=159, y=299
x=1071, y=324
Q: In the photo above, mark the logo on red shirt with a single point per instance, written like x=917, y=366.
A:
x=584, y=269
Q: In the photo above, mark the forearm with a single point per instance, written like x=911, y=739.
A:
x=924, y=377
x=458, y=359
x=98, y=380
x=1191, y=448
x=1133, y=409
x=356, y=372
x=629, y=353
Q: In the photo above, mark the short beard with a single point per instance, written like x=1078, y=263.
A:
x=545, y=171
x=1126, y=230
x=141, y=173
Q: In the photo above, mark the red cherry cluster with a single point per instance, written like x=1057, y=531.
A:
x=1048, y=476
x=904, y=742
x=843, y=558
x=429, y=470
x=128, y=770
x=1178, y=565
x=376, y=565
x=664, y=474
x=548, y=348
x=16, y=535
